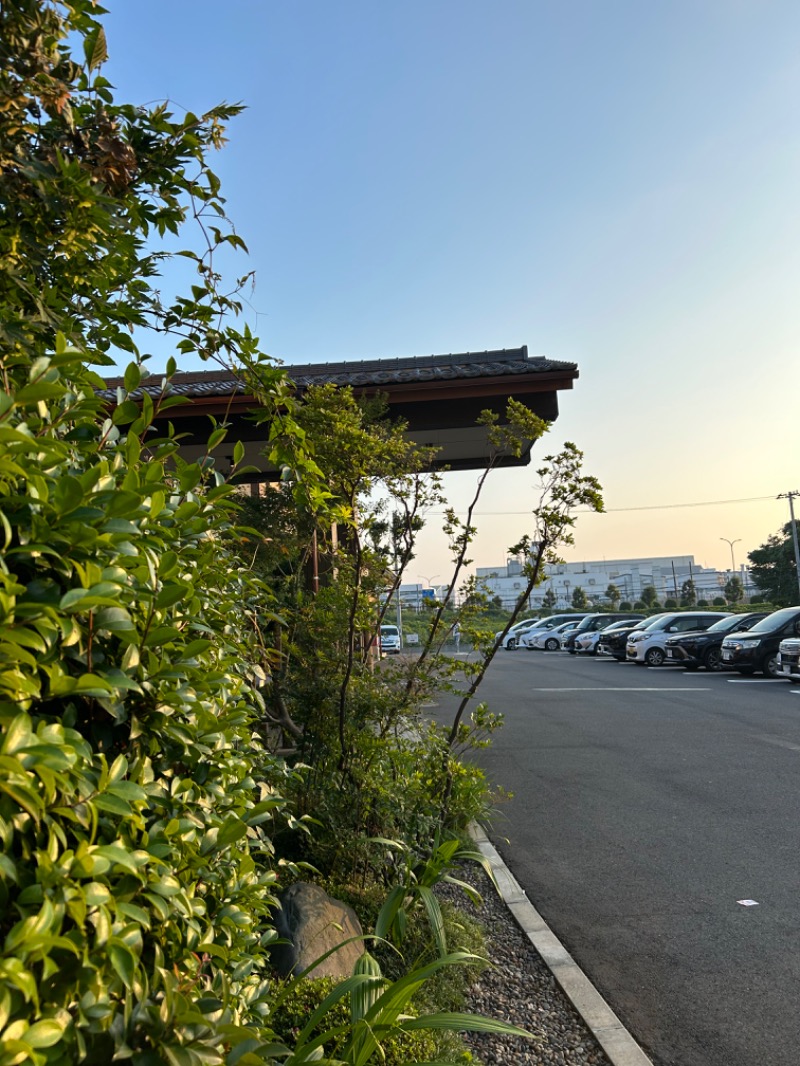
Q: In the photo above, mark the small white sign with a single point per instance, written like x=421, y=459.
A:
x=748, y=902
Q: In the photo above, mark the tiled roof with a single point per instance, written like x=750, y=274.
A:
x=368, y=373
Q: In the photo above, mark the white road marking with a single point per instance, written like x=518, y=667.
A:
x=608, y=688
x=754, y=681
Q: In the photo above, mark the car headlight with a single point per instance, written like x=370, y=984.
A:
x=749, y=642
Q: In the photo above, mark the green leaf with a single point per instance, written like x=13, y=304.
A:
x=458, y=1022
x=170, y=595
x=113, y=619
x=125, y=412
x=232, y=830
x=122, y=959
x=113, y=805
x=95, y=48
x=133, y=376
x=45, y=1033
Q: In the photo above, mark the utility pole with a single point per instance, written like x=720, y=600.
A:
x=790, y=497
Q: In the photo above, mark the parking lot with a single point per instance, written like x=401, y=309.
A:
x=655, y=825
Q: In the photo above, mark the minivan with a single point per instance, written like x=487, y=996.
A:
x=649, y=646
x=757, y=649
x=391, y=640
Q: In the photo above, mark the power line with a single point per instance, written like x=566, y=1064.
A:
x=617, y=510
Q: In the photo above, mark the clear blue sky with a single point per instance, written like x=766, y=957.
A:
x=612, y=183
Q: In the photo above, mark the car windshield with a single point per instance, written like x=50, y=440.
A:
x=726, y=625
x=389, y=631
x=586, y=623
x=652, y=622
x=776, y=621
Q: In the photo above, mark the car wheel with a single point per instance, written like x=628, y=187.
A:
x=654, y=657
x=712, y=660
x=551, y=644
x=769, y=664
x=511, y=644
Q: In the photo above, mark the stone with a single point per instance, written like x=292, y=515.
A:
x=310, y=922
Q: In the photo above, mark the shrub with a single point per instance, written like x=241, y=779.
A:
x=136, y=798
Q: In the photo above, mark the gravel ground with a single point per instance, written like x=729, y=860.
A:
x=520, y=989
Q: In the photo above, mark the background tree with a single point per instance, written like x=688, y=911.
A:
x=688, y=593
x=579, y=599
x=613, y=595
x=650, y=597
x=550, y=599
x=734, y=593
x=773, y=568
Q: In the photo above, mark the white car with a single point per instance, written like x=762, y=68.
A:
x=549, y=639
x=588, y=643
x=549, y=624
x=789, y=659
x=649, y=646
x=514, y=636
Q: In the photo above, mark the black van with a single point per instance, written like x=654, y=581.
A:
x=757, y=649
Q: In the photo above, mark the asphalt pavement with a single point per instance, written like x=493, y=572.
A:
x=654, y=825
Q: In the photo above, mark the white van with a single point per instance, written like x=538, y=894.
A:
x=391, y=640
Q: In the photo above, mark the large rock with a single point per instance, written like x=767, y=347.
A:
x=312, y=922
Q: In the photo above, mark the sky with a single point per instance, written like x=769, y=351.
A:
x=610, y=182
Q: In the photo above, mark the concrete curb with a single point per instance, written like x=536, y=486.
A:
x=608, y=1030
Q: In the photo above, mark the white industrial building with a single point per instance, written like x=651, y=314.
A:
x=667, y=575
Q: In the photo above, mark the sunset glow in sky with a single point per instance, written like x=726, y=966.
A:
x=613, y=184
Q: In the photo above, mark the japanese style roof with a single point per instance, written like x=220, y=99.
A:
x=439, y=396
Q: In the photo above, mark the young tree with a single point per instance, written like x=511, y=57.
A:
x=688, y=593
x=550, y=599
x=774, y=570
x=649, y=597
x=579, y=599
x=613, y=595
x=734, y=593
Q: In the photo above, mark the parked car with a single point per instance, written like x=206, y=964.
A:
x=649, y=646
x=757, y=649
x=391, y=641
x=551, y=622
x=588, y=642
x=694, y=650
x=512, y=637
x=595, y=622
x=614, y=642
x=789, y=659
x=548, y=639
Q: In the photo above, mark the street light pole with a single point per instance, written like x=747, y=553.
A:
x=731, y=544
